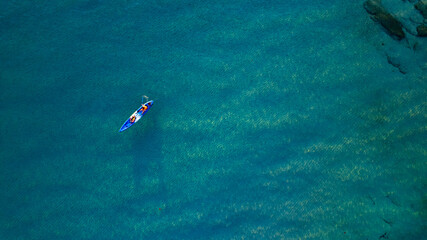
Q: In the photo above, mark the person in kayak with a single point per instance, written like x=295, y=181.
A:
x=144, y=107
x=132, y=119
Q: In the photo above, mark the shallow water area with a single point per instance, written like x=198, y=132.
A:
x=272, y=120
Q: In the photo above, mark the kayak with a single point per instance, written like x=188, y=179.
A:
x=136, y=115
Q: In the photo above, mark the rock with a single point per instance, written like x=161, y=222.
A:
x=378, y=12
x=395, y=63
x=385, y=236
x=422, y=7
x=391, y=24
x=422, y=30
x=373, y=7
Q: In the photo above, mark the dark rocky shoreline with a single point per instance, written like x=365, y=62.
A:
x=402, y=23
x=391, y=24
x=380, y=14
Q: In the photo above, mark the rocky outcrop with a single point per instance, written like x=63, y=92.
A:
x=422, y=30
x=422, y=7
x=385, y=236
x=395, y=63
x=380, y=14
x=373, y=6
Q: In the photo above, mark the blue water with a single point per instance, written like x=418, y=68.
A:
x=271, y=120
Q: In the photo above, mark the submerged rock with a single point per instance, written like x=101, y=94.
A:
x=422, y=30
x=373, y=7
x=378, y=12
x=422, y=7
x=395, y=63
x=391, y=24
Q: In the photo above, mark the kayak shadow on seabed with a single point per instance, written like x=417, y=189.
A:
x=148, y=157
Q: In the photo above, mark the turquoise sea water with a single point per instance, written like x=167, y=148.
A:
x=271, y=120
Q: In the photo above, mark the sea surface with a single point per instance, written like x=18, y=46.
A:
x=271, y=120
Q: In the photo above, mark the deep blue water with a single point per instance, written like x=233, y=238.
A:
x=271, y=120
